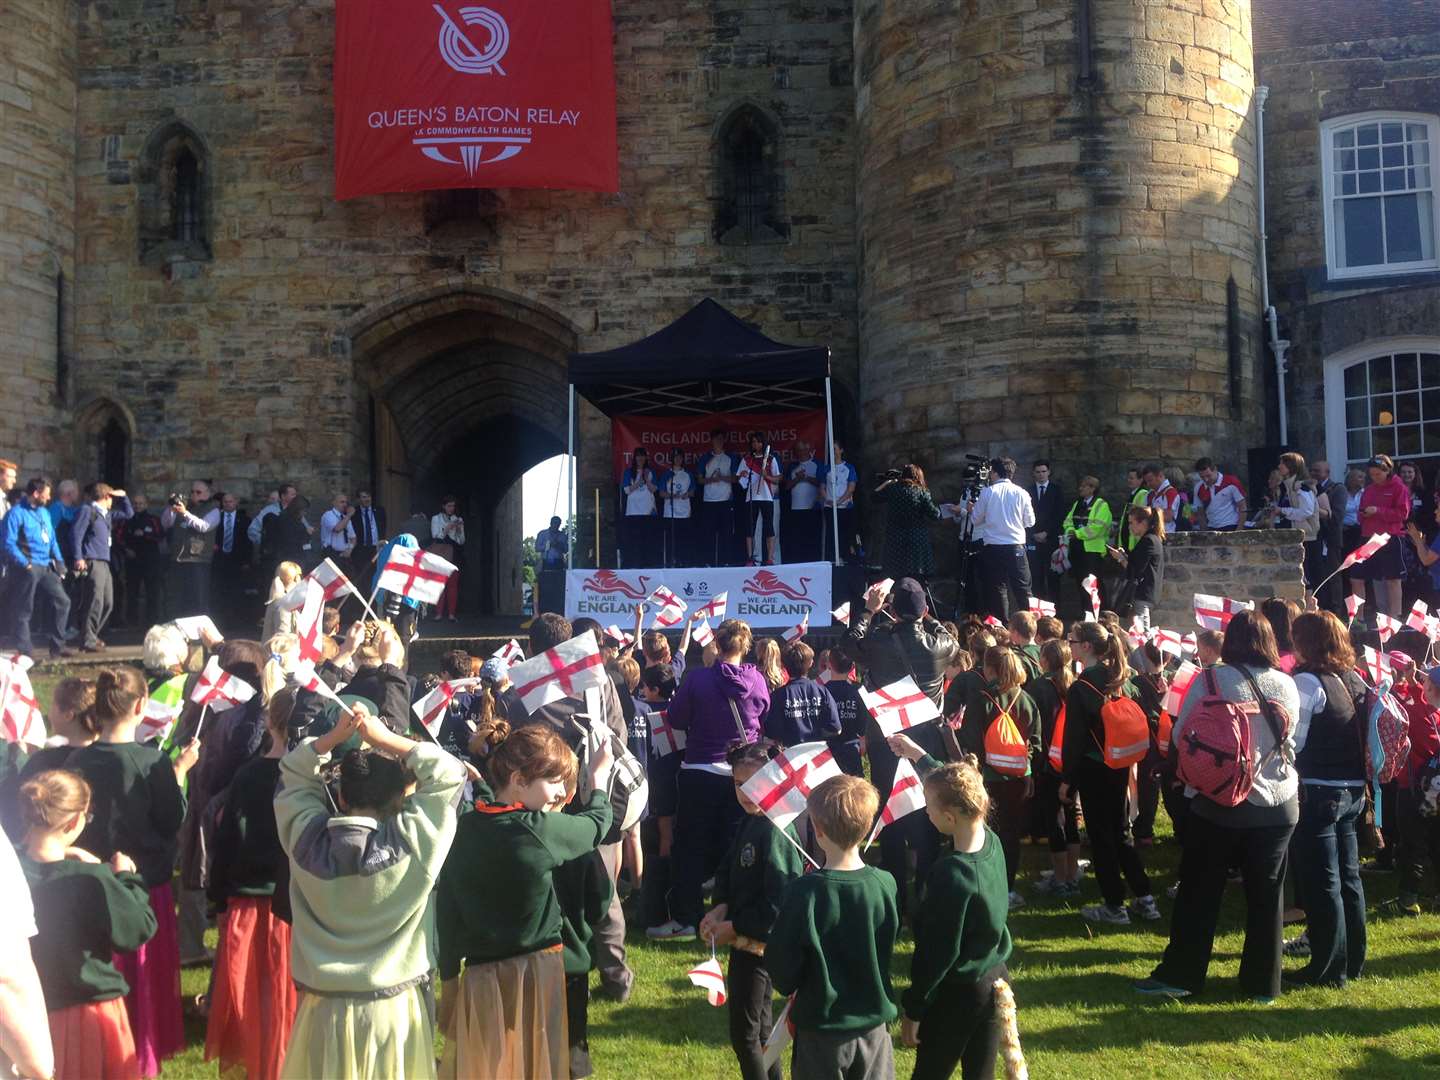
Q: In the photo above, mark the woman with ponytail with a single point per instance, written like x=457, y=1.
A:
x=252, y=997
x=959, y=1009
x=136, y=806
x=1102, y=789
x=509, y=1014
x=85, y=911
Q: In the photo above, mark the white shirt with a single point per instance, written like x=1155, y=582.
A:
x=679, y=486
x=1002, y=514
x=1223, y=508
x=803, y=496
x=757, y=489
x=438, y=529
x=336, y=533
x=640, y=502
x=1352, y=506
x=257, y=523
x=195, y=524
x=225, y=542
x=368, y=527
x=717, y=490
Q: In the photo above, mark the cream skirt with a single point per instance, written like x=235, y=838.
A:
x=510, y=1021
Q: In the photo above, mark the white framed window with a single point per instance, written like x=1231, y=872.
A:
x=1379, y=189
x=1383, y=398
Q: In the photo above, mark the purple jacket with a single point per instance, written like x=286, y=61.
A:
x=701, y=709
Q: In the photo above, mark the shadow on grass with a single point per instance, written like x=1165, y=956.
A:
x=1380, y=1062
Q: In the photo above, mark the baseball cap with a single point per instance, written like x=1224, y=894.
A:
x=908, y=599
x=494, y=670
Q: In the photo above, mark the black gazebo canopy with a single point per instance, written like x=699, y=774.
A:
x=706, y=361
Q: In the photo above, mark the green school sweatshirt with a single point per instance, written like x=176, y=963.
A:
x=831, y=945
x=84, y=912
x=138, y=806
x=753, y=875
x=960, y=931
x=582, y=889
x=496, y=897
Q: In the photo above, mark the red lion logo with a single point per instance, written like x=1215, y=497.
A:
x=607, y=581
x=766, y=583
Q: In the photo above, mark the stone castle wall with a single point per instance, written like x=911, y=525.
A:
x=37, y=227
x=1045, y=261
x=1251, y=565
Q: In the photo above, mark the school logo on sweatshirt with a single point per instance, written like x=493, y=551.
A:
x=747, y=856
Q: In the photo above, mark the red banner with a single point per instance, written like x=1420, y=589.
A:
x=436, y=95
x=688, y=437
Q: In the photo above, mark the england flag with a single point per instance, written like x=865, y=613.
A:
x=415, y=574
x=1365, y=550
x=782, y=786
x=1041, y=608
x=665, y=739
x=1386, y=627
x=672, y=608
x=158, y=721
x=510, y=653
x=20, y=716
x=565, y=671
x=219, y=690
x=714, y=608
x=332, y=580
x=701, y=633
x=1215, y=612
x=799, y=630
x=430, y=710
x=1179, y=685
x=899, y=706
x=907, y=795
x=842, y=614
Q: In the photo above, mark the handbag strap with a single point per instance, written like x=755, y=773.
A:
x=739, y=724
x=1267, y=710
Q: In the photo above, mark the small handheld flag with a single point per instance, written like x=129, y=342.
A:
x=1364, y=551
x=332, y=580
x=701, y=634
x=711, y=979
x=1353, y=604
x=799, y=630
x=907, y=795
x=1215, y=612
x=842, y=614
x=781, y=787
x=1091, y=585
x=565, y=671
x=430, y=710
x=899, y=706
x=1385, y=626
x=416, y=574
x=665, y=739
x=510, y=653
x=1179, y=684
x=714, y=608
x=1041, y=607
x=219, y=690
x=672, y=608
x=620, y=637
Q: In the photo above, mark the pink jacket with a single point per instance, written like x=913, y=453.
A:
x=1391, y=500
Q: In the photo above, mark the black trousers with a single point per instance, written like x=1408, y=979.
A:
x=715, y=536
x=1005, y=571
x=748, y=995
x=144, y=578
x=706, y=819
x=1148, y=788
x=961, y=1027
x=799, y=535
x=1008, y=817
x=639, y=540
x=1419, y=840
x=912, y=832
x=577, y=1019
x=1062, y=820
x=1043, y=583
x=22, y=586
x=1204, y=867
x=1113, y=856
x=1172, y=793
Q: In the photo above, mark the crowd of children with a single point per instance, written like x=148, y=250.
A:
x=347, y=855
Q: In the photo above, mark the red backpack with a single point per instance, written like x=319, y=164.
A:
x=1215, y=753
x=1057, y=742
x=1005, y=748
x=1127, y=732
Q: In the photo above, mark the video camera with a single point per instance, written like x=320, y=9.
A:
x=974, y=477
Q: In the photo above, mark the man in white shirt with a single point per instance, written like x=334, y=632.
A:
x=1000, y=517
x=715, y=539
x=800, y=525
x=337, y=530
x=759, y=474
x=1219, y=498
x=257, y=523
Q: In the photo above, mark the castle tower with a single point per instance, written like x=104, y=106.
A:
x=37, y=225
x=1058, y=231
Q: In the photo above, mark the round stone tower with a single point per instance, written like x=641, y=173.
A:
x=1059, y=240
x=37, y=224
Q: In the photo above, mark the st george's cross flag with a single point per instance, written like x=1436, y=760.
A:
x=1041, y=608
x=1365, y=550
x=219, y=690
x=1091, y=584
x=781, y=787
x=430, y=710
x=510, y=653
x=310, y=620
x=1418, y=616
x=565, y=671
x=665, y=739
x=158, y=721
x=714, y=608
x=1386, y=627
x=842, y=614
x=701, y=633
x=1179, y=684
x=416, y=574
x=307, y=678
x=1168, y=641
x=1353, y=604
x=711, y=979
x=620, y=637
x=332, y=580
x=1375, y=666
x=994, y=623
x=799, y=630
x=1137, y=633
x=672, y=608
x=907, y=795
x=21, y=720
x=1215, y=612
x=899, y=706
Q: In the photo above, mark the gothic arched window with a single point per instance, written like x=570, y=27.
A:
x=175, y=201
x=751, y=191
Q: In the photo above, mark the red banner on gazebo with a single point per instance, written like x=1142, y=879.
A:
x=438, y=95
x=686, y=439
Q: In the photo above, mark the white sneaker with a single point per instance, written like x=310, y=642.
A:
x=667, y=930
x=1016, y=901
x=1104, y=913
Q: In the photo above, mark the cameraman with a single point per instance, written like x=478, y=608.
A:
x=1000, y=517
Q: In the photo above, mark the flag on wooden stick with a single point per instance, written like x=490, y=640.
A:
x=899, y=706
x=565, y=671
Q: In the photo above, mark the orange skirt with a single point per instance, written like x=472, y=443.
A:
x=252, y=999
x=93, y=1042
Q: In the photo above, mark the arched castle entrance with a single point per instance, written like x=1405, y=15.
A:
x=460, y=391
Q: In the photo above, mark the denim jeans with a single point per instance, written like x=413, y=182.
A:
x=1328, y=858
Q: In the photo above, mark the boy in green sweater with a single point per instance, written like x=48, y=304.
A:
x=749, y=885
x=831, y=944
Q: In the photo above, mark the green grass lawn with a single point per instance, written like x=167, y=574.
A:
x=1078, y=1015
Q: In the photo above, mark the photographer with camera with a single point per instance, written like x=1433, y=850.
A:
x=999, y=518
x=909, y=509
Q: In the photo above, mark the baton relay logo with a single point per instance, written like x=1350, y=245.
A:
x=457, y=48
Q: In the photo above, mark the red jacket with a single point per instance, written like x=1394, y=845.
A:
x=1391, y=499
x=1424, y=731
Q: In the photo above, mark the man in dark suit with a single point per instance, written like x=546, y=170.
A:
x=1042, y=539
x=369, y=525
x=230, y=569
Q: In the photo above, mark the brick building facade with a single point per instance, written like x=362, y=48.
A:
x=1021, y=225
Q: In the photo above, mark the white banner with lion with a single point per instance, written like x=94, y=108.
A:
x=763, y=596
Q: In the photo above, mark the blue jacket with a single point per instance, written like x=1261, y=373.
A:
x=90, y=535
x=29, y=537
x=802, y=711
